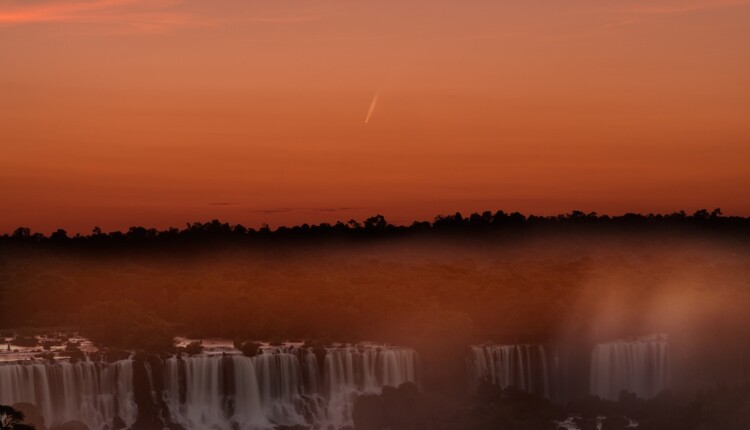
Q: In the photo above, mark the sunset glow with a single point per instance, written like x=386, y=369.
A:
x=132, y=112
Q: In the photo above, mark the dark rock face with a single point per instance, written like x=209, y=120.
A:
x=406, y=408
x=585, y=423
x=617, y=422
x=228, y=381
x=368, y=413
x=112, y=355
x=394, y=408
x=148, y=378
x=182, y=382
x=71, y=425
x=320, y=355
x=118, y=424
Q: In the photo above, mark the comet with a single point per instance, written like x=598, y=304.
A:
x=372, y=107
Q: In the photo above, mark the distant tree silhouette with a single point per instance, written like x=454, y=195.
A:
x=22, y=232
x=59, y=235
x=701, y=214
x=475, y=224
x=377, y=222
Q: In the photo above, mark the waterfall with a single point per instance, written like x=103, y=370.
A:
x=640, y=366
x=94, y=393
x=281, y=386
x=208, y=400
x=350, y=372
x=522, y=366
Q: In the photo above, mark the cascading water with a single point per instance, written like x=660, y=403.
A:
x=640, y=366
x=280, y=386
x=349, y=372
x=206, y=400
x=93, y=393
x=525, y=367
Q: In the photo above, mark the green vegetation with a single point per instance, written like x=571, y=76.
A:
x=410, y=291
x=436, y=293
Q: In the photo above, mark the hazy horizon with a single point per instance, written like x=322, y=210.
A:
x=129, y=112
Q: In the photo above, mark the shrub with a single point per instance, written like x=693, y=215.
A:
x=49, y=343
x=250, y=349
x=74, y=353
x=194, y=348
x=238, y=343
x=115, y=354
x=27, y=341
x=45, y=355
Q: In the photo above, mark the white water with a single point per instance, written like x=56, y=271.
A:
x=522, y=366
x=282, y=386
x=94, y=393
x=640, y=366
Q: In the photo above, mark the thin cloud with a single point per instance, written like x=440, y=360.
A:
x=139, y=15
x=595, y=31
x=330, y=210
x=286, y=20
x=274, y=210
x=643, y=12
x=682, y=7
x=17, y=12
x=271, y=211
x=136, y=14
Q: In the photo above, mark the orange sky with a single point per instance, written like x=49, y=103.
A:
x=159, y=112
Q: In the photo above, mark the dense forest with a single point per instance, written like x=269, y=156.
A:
x=484, y=277
x=438, y=287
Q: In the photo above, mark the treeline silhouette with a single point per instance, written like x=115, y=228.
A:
x=476, y=224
